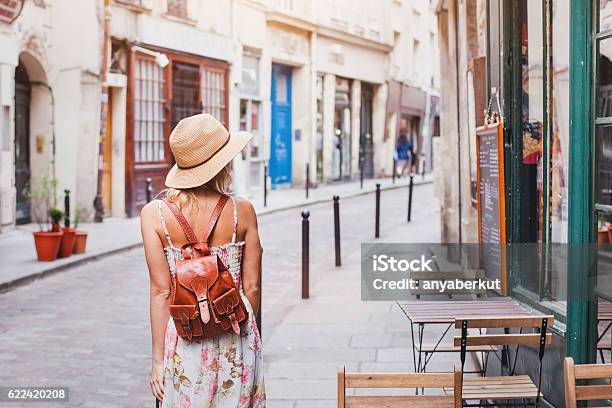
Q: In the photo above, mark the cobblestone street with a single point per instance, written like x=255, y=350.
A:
x=87, y=328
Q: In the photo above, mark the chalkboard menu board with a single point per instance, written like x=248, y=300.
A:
x=491, y=201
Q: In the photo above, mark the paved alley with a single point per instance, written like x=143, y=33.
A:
x=87, y=328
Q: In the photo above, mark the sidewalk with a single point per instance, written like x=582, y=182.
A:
x=19, y=264
x=306, y=341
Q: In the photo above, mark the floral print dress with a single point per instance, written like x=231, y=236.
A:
x=220, y=372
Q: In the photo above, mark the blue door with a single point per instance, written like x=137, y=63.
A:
x=280, y=140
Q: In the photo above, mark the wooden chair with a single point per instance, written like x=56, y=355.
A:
x=450, y=381
x=575, y=392
x=509, y=387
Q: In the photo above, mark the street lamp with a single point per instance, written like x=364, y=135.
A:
x=161, y=59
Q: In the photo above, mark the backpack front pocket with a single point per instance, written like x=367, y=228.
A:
x=187, y=321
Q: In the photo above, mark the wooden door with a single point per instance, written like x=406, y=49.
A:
x=280, y=143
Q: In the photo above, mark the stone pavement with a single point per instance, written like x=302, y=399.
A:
x=87, y=328
x=19, y=265
x=305, y=347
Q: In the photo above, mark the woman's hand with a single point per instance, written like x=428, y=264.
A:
x=157, y=380
x=159, y=293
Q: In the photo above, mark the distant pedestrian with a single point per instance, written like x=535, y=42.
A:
x=403, y=151
x=224, y=371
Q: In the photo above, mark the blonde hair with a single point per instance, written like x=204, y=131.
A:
x=185, y=197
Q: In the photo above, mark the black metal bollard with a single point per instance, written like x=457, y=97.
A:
x=307, y=178
x=377, y=221
x=66, y=208
x=394, y=172
x=305, y=254
x=337, y=230
x=410, y=186
x=265, y=186
x=361, y=176
x=149, y=190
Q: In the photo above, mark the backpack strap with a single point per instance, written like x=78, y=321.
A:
x=214, y=218
x=176, y=211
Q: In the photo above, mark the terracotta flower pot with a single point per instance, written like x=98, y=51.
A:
x=47, y=245
x=80, y=242
x=55, y=227
x=68, y=241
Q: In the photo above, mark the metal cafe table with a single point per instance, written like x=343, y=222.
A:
x=604, y=319
x=422, y=313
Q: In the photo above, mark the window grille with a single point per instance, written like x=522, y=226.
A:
x=149, y=113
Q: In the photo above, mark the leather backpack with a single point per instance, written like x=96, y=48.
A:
x=205, y=300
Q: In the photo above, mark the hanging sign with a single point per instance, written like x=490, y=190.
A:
x=491, y=200
x=10, y=10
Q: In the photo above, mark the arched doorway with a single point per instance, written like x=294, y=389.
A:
x=23, y=93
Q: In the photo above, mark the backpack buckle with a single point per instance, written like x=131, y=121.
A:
x=200, y=288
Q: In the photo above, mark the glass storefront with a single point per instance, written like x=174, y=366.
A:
x=341, y=157
x=251, y=119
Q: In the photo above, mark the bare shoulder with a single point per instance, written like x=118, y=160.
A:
x=246, y=211
x=149, y=210
x=149, y=216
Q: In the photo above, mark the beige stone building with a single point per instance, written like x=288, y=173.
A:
x=323, y=85
x=49, y=98
x=341, y=59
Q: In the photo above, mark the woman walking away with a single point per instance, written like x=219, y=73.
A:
x=195, y=244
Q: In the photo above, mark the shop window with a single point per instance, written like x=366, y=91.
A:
x=251, y=118
x=603, y=147
x=541, y=180
x=185, y=97
x=560, y=121
x=250, y=76
x=149, y=116
x=177, y=8
x=212, y=88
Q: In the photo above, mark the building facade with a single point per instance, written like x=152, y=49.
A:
x=324, y=88
x=49, y=98
x=325, y=111
x=168, y=60
x=542, y=67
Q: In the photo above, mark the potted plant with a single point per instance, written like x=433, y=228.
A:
x=81, y=236
x=68, y=239
x=46, y=240
x=56, y=216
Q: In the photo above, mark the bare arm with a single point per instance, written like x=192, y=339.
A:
x=251, y=260
x=160, y=290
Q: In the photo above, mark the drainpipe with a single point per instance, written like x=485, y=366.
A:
x=98, y=201
x=459, y=205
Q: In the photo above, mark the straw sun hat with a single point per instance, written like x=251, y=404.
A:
x=202, y=147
